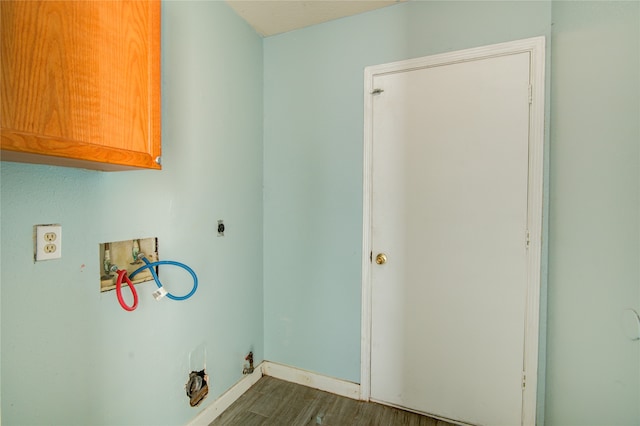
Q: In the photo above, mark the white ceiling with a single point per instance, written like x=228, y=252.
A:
x=269, y=17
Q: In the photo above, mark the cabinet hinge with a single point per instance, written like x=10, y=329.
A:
x=524, y=381
x=530, y=94
x=527, y=239
x=371, y=256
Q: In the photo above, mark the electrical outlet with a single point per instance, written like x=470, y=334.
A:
x=48, y=242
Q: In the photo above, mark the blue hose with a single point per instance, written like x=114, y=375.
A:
x=151, y=265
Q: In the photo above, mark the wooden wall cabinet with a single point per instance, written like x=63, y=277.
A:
x=80, y=83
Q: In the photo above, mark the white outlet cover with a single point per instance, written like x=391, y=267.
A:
x=48, y=242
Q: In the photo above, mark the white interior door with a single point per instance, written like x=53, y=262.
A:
x=450, y=209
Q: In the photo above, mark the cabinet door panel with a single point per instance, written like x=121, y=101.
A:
x=81, y=81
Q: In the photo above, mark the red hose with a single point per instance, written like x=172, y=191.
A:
x=122, y=274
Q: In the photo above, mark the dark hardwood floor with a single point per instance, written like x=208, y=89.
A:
x=276, y=402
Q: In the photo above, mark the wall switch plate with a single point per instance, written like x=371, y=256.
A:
x=48, y=242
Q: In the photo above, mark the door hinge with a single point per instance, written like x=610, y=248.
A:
x=377, y=91
x=530, y=94
x=524, y=381
x=527, y=239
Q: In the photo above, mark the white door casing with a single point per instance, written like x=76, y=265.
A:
x=531, y=51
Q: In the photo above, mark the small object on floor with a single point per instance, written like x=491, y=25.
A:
x=319, y=418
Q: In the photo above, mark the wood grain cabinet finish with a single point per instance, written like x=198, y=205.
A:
x=80, y=83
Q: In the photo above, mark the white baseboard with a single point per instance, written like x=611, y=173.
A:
x=223, y=402
x=279, y=371
x=312, y=380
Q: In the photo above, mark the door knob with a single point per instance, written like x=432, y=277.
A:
x=381, y=259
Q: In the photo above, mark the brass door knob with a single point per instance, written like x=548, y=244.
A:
x=381, y=259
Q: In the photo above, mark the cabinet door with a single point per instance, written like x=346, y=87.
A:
x=80, y=83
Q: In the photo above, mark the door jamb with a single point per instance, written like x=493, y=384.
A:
x=536, y=48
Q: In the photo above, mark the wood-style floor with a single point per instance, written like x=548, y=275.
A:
x=276, y=402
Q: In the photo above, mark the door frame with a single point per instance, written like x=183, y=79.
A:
x=536, y=48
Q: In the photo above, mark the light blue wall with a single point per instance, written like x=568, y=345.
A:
x=594, y=266
x=313, y=168
x=96, y=364
x=71, y=355
x=313, y=103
